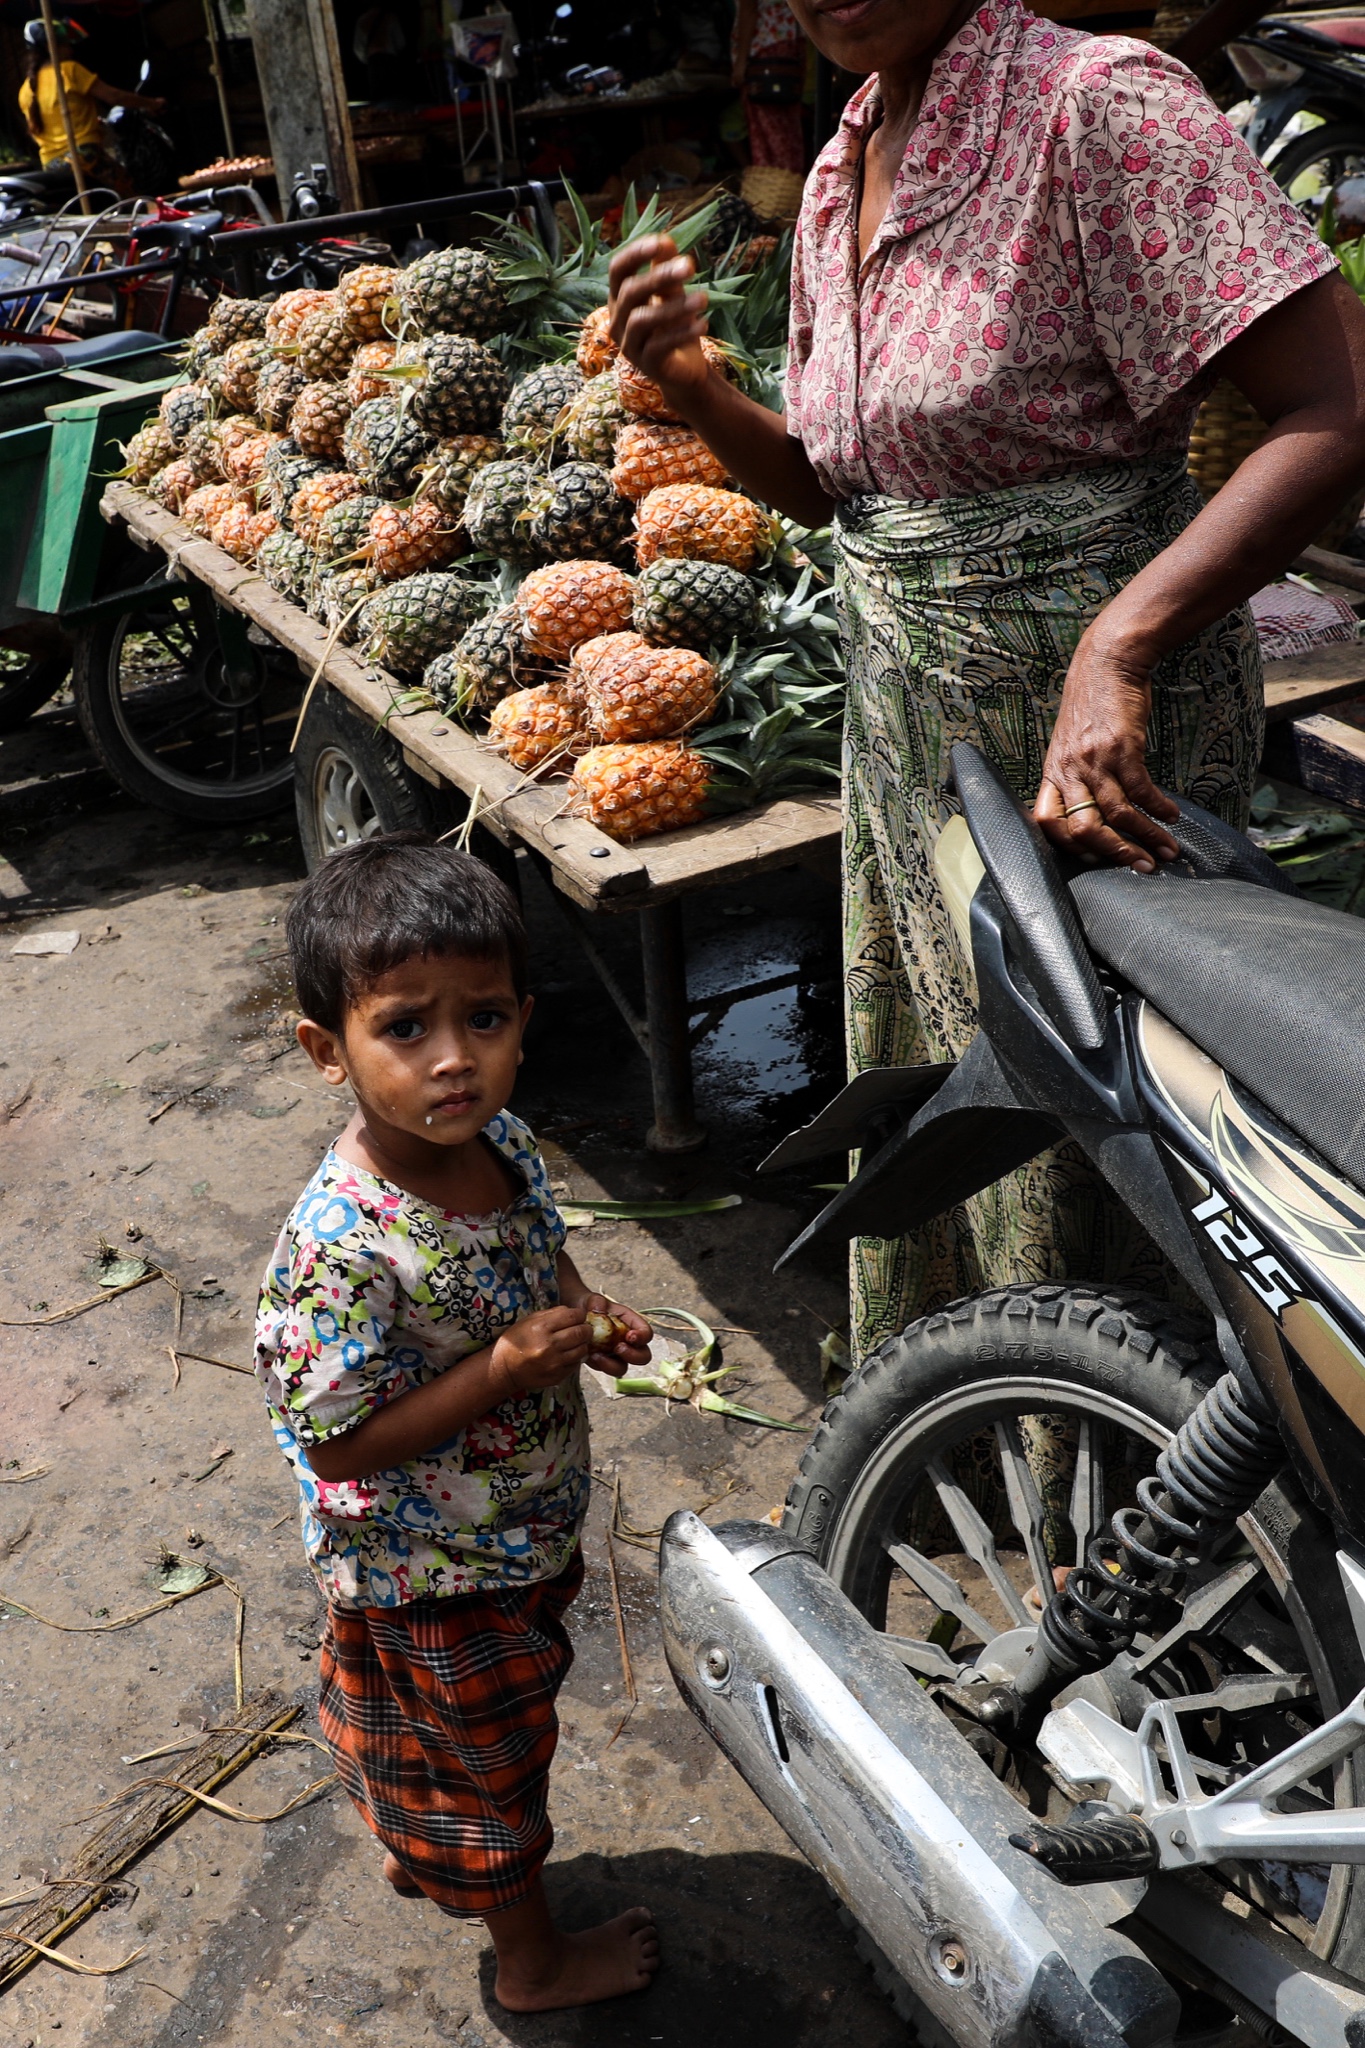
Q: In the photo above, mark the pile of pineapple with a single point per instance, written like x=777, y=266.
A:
x=551, y=553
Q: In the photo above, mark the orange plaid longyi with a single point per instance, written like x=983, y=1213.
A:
x=440, y=1717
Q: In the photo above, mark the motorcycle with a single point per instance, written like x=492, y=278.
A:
x=1296, y=69
x=1055, y=1668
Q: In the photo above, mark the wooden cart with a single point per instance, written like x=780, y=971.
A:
x=590, y=875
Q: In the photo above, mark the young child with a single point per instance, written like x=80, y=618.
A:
x=419, y=1338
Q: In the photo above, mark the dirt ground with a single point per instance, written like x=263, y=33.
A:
x=150, y=1096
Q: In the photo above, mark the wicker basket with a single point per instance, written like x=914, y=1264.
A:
x=773, y=194
x=1227, y=428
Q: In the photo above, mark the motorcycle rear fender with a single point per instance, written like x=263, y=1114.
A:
x=972, y=1130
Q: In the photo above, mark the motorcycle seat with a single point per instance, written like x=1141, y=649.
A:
x=1270, y=986
x=1349, y=32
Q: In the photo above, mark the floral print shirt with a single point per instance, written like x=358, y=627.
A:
x=1074, y=233
x=371, y=1292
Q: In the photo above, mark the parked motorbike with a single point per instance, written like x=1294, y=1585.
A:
x=1055, y=1668
x=1296, y=68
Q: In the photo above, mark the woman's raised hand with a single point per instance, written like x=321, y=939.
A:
x=656, y=322
x=1097, y=798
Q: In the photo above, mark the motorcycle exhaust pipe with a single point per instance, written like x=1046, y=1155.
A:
x=904, y=1821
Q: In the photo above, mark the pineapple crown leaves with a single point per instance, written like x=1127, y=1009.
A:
x=804, y=547
x=546, y=294
x=776, y=756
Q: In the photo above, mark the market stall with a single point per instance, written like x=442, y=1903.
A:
x=424, y=537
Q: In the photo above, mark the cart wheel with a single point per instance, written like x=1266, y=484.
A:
x=351, y=783
x=188, y=708
x=26, y=682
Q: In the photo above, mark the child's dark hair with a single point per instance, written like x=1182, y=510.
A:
x=372, y=906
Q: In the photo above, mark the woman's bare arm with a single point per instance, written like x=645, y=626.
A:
x=1302, y=365
x=657, y=323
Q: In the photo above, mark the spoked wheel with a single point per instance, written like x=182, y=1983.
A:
x=189, y=709
x=352, y=783
x=965, y=1470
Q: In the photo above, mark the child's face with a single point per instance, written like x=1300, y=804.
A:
x=431, y=1048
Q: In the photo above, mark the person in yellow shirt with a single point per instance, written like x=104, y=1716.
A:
x=85, y=95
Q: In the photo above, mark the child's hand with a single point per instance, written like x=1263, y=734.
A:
x=541, y=1350
x=625, y=1351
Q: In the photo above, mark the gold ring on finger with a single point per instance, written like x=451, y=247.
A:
x=1091, y=804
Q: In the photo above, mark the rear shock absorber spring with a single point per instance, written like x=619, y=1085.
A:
x=1220, y=1461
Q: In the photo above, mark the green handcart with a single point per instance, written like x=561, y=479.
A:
x=59, y=441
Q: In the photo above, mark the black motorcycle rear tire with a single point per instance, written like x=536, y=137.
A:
x=1334, y=140
x=1137, y=1353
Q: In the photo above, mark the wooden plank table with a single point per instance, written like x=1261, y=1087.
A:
x=588, y=872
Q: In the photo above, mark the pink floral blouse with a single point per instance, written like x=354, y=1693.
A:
x=1074, y=233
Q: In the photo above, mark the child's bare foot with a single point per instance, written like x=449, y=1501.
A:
x=399, y=1879
x=579, y=1969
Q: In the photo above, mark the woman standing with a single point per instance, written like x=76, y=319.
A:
x=768, y=64
x=1020, y=264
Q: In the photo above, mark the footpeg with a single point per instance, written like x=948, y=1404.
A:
x=1099, y=1851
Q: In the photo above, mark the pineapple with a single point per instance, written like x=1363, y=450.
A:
x=286, y=469
x=205, y=507
x=203, y=450
x=233, y=320
x=452, y=291
x=211, y=377
x=245, y=464
x=148, y=450
x=197, y=352
x=318, y=420
x=181, y=408
x=494, y=508
x=536, y=728
x=756, y=252
x=242, y=366
x=455, y=385
x=325, y=345
x=532, y=412
x=577, y=511
x=457, y=461
x=364, y=292
x=286, y=563
x=482, y=666
x=277, y=386
x=343, y=531
x=638, y=692
x=339, y=598
x=569, y=602
x=735, y=220
x=362, y=379
x=649, y=456
x=695, y=604
x=172, y=485
x=288, y=313
x=705, y=524
x=592, y=419
x=242, y=531
x=596, y=350
x=602, y=651
x=641, y=395
x=315, y=497
x=631, y=791
x=409, y=623
x=385, y=448
x=402, y=542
